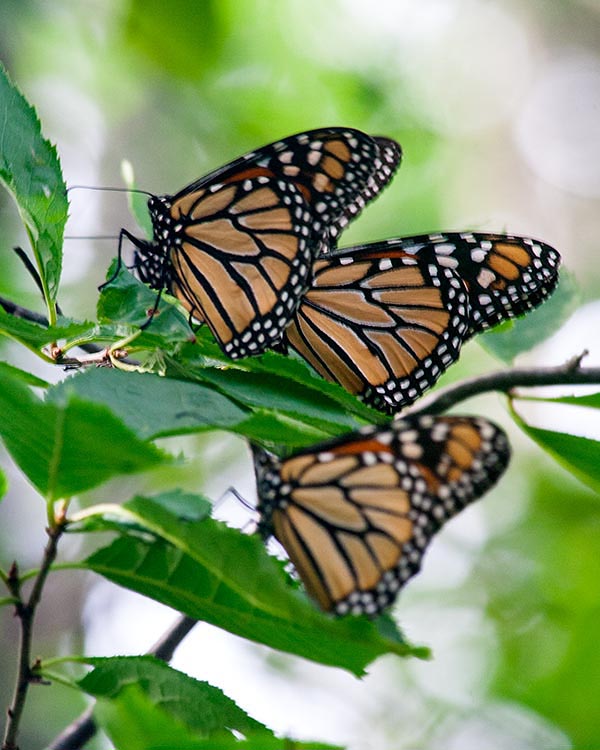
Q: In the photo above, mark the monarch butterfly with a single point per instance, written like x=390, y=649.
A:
x=356, y=514
x=387, y=318
x=236, y=247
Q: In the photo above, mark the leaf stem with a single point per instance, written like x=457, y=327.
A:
x=25, y=611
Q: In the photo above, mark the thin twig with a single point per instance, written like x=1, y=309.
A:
x=25, y=611
x=84, y=728
x=570, y=373
x=99, y=354
x=165, y=647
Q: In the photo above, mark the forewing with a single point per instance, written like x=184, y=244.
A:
x=242, y=259
x=337, y=170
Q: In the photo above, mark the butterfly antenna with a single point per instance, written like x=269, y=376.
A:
x=109, y=189
x=240, y=498
x=111, y=237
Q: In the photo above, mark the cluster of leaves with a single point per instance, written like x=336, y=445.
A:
x=99, y=423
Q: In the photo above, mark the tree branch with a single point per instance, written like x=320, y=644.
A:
x=25, y=611
x=84, y=728
x=571, y=373
x=98, y=354
x=165, y=646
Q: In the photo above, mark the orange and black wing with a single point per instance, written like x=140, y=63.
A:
x=240, y=258
x=236, y=247
x=337, y=170
x=356, y=515
x=505, y=275
x=384, y=325
x=385, y=165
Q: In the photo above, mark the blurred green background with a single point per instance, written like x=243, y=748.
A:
x=497, y=107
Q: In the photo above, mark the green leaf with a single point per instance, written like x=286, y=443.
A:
x=132, y=722
x=202, y=709
x=513, y=337
x=126, y=300
x=214, y=573
x=25, y=377
x=332, y=397
x=30, y=169
x=278, y=430
x=259, y=743
x=579, y=455
x=291, y=406
x=67, y=332
x=69, y=448
x=155, y=406
x=272, y=392
x=185, y=506
x=588, y=401
x=35, y=335
x=151, y=405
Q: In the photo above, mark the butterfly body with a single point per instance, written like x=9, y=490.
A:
x=356, y=514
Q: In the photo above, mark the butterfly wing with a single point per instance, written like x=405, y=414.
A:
x=356, y=515
x=236, y=247
x=506, y=275
x=337, y=170
x=385, y=166
x=240, y=256
x=383, y=325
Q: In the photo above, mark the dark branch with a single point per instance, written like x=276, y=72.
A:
x=22, y=312
x=571, y=373
x=30, y=268
x=165, y=647
x=25, y=611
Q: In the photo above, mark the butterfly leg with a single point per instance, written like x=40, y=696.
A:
x=123, y=233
